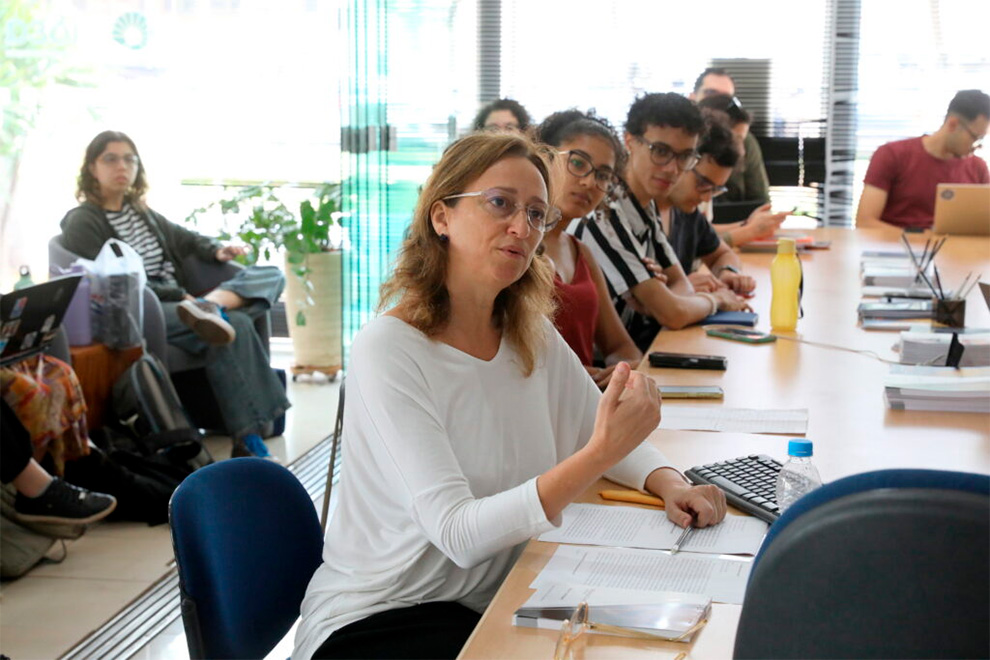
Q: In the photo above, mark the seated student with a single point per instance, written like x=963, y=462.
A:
x=588, y=153
x=502, y=115
x=111, y=188
x=661, y=135
x=40, y=496
x=761, y=223
x=691, y=234
x=902, y=178
x=749, y=181
x=470, y=423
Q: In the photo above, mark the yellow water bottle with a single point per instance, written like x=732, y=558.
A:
x=785, y=277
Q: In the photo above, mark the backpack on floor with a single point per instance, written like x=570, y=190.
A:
x=146, y=405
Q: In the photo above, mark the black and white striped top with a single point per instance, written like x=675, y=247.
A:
x=619, y=236
x=133, y=229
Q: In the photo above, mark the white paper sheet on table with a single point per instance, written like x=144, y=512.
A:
x=624, y=526
x=738, y=420
x=723, y=579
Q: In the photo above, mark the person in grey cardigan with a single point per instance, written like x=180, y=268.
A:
x=111, y=188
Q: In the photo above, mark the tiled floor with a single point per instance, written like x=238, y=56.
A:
x=46, y=612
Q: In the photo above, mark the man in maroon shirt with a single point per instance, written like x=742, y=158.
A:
x=902, y=177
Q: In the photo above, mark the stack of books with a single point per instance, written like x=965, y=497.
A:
x=931, y=347
x=909, y=387
x=894, y=314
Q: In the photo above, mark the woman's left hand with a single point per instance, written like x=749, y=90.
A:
x=228, y=252
x=686, y=504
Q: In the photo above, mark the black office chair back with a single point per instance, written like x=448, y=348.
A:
x=886, y=573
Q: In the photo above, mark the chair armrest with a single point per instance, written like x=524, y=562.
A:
x=203, y=276
x=154, y=326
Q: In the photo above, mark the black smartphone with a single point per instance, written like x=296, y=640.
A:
x=687, y=361
x=739, y=334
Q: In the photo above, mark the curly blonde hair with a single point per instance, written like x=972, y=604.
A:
x=419, y=279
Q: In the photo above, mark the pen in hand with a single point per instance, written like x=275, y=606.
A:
x=674, y=549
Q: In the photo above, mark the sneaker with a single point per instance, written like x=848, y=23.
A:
x=206, y=320
x=62, y=502
x=252, y=445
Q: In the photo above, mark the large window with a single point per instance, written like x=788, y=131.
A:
x=210, y=90
x=909, y=71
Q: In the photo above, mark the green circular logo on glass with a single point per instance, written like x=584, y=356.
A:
x=131, y=30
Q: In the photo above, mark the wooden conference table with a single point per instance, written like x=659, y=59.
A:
x=851, y=427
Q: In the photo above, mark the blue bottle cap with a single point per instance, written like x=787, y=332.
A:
x=800, y=448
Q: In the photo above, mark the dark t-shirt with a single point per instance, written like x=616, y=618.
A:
x=910, y=176
x=691, y=236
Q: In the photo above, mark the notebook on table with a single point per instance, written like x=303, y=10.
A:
x=747, y=319
x=962, y=208
x=30, y=317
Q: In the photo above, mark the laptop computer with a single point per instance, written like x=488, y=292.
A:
x=962, y=208
x=30, y=317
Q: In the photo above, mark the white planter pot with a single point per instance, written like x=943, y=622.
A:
x=317, y=345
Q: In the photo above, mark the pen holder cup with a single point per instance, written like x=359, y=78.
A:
x=951, y=312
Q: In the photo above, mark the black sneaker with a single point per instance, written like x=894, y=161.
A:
x=64, y=503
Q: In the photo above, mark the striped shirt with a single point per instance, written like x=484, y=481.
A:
x=133, y=229
x=619, y=237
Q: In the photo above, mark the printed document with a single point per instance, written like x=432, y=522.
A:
x=625, y=526
x=738, y=420
x=723, y=579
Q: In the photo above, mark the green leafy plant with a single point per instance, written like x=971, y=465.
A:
x=256, y=215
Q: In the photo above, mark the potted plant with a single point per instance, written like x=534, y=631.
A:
x=312, y=242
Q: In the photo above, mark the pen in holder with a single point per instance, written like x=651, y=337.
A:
x=950, y=312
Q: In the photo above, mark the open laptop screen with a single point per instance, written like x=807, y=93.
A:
x=30, y=317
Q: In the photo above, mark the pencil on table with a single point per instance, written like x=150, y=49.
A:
x=632, y=496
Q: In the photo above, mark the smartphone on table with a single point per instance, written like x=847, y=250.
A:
x=736, y=333
x=660, y=359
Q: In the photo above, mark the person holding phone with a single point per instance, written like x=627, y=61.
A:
x=588, y=151
x=691, y=234
x=470, y=423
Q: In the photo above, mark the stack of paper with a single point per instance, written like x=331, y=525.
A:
x=909, y=387
x=931, y=348
x=898, y=315
x=897, y=274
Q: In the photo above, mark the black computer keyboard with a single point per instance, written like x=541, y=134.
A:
x=749, y=482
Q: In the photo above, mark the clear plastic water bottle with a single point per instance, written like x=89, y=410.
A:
x=799, y=476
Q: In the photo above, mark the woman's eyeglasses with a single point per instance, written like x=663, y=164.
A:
x=130, y=160
x=579, y=623
x=579, y=164
x=502, y=206
x=705, y=185
x=662, y=153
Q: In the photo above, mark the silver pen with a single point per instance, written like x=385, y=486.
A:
x=674, y=549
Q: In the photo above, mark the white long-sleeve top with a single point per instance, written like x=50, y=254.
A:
x=438, y=488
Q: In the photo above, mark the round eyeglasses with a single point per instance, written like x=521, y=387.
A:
x=580, y=622
x=111, y=160
x=662, y=153
x=705, y=185
x=579, y=164
x=502, y=206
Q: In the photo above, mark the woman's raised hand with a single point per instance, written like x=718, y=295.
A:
x=628, y=411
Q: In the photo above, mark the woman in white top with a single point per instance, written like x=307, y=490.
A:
x=469, y=422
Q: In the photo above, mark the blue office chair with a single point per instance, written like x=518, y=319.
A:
x=886, y=564
x=247, y=541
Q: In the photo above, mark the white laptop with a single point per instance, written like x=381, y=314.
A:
x=962, y=208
